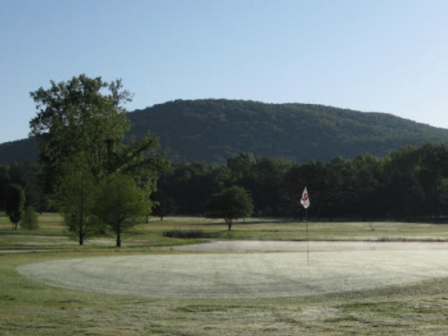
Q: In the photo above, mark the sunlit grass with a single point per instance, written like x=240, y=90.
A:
x=31, y=308
x=53, y=235
x=28, y=307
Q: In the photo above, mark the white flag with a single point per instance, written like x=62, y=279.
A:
x=305, y=200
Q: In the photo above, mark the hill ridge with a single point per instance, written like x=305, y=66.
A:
x=212, y=130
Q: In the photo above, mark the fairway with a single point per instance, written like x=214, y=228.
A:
x=245, y=275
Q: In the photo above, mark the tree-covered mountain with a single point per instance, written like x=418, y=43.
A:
x=23, y=150
x=213, y=130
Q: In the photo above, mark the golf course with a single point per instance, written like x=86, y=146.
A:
x=265, y=277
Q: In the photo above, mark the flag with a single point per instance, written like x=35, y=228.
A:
x=305, y=200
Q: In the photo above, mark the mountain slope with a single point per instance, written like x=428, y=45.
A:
x=213, y=130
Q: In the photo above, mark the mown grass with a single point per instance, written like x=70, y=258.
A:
x=273, y=229
x=31, y=308
x=53, y=235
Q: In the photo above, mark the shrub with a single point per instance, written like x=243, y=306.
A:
x=187, y=234
x=30, y=219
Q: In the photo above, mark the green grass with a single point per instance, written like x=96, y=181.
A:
x=53, y=235
x=259, y=229
x=31, y=308
x=28, y=307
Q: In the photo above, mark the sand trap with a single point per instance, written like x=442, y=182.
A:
x=233, y=275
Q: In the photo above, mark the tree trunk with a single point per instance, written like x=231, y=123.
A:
x=81, y=238
x=229, y=223
x=15, y=226
x=118, y=239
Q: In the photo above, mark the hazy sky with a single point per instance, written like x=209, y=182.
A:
x=369, y=55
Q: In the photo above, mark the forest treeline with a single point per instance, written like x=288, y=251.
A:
x=212, y=130
x=410, y=183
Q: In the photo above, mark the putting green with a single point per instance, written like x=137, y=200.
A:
x=242, y=275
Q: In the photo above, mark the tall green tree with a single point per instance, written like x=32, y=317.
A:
x=362, y=184
x=26, y=175
x=432, y=173
x=15, y=203
x=87, y=115
x=82, y=114
x=5, y=180
x=165, y=205
x=75, y=197
x=402, y=191
x=268, y=176
x=120, y=204
x=230, y=204
x=30, y=219
x=290, y=191
x=190, y=184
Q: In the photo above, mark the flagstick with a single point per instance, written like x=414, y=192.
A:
x=305, y=200
x=307, y=239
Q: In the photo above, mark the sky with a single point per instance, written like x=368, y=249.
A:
x=370, y=55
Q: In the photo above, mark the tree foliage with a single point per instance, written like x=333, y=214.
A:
x=408, y=184
x=190, y=184
x=81, y=115
x=75, y=197
x=30, y=219
x=164, y=205
x=230, y=204
x=26, y=175
x=120, y=204
x=80, y=128
x=213, y=130
x=15, y=202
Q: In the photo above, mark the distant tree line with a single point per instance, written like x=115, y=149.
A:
x=25, y=175
x=98, y=177
x=408, y=184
